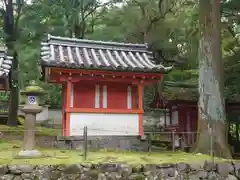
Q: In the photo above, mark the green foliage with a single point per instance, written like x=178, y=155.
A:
x=170, y=28
x=21, y=120
x=4, y=96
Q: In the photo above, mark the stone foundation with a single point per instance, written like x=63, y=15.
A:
x=181, y=171
x=101, y=142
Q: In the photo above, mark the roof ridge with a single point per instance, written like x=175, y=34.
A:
x=111, y=43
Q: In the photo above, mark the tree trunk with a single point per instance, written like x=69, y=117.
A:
x=212, y=115
x=13, y=101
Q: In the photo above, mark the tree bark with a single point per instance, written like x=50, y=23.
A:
x=212, y=115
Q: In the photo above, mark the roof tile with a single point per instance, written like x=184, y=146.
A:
x=89, y=54
x=5, y=62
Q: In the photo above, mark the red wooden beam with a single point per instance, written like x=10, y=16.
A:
x=104, y=110
x=110, y=73
x=76, y=78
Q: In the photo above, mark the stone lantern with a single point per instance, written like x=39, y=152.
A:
x=33, y=94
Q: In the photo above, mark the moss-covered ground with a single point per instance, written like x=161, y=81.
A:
x=9, y=147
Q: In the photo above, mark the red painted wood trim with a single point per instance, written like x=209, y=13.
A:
x=68, y=101
x=103, y=110
x=140, y=97
x=140, y=106
x=63, y=109
x=63, y=78
x=140, y=125
x=111, y=73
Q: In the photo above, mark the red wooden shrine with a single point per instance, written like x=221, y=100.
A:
x=182, y=118
x=102, y=83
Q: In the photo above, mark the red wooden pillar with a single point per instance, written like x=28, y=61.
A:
x=140, y=106
x=181, y=126
x=68, y=103
x=63, y=109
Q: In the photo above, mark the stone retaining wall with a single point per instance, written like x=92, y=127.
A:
x=181, y=171
x=100, y=142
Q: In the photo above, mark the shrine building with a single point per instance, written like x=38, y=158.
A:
x=181, y=116
x=102, y=84
x=5, y=68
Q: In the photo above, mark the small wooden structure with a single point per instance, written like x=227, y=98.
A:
x=181, y=116
x=5, y=68
x=102, y=84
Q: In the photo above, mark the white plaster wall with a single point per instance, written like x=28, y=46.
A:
x=101, y=124
x=175, y=117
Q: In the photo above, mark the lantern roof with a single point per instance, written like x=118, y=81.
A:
x=99, y=55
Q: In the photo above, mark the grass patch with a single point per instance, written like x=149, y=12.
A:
x=40, y=131
x=9, y=150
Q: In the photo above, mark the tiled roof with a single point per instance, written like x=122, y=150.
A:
x=5, y=62
x=88, y=54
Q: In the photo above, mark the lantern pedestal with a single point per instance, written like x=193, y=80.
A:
x=30, y=131
x=31, y=109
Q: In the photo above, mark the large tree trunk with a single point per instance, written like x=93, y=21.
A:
x=13, y=101
x=212, y=114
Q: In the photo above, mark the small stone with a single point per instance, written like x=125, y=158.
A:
x=231, y=177
x=169, y=172
x=193, y=177
x=195, y=166
x=55, y=174
x=152, y=175
x=150, y=167
x=136, y=176
x=18, y=178
x=182, y=167
x=113, y=176
x=19, y=169
x=202, y=174
x=109, y=167
x=68, y=177
x=7, y=177
x=210, y=166
x=60, y=167
x=73, y=169
x=125, y=170
x=101, y=176
x=224, y=169
x=26, y=176
x=3, y=169
x=92, y=174
x=137, y=169
x=237, y=169
x=42, y=172
x=214, y=176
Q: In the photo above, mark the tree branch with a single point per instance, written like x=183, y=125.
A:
x=19, y=9
x=95, y=8
x=162, y=16
x=229, y=28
